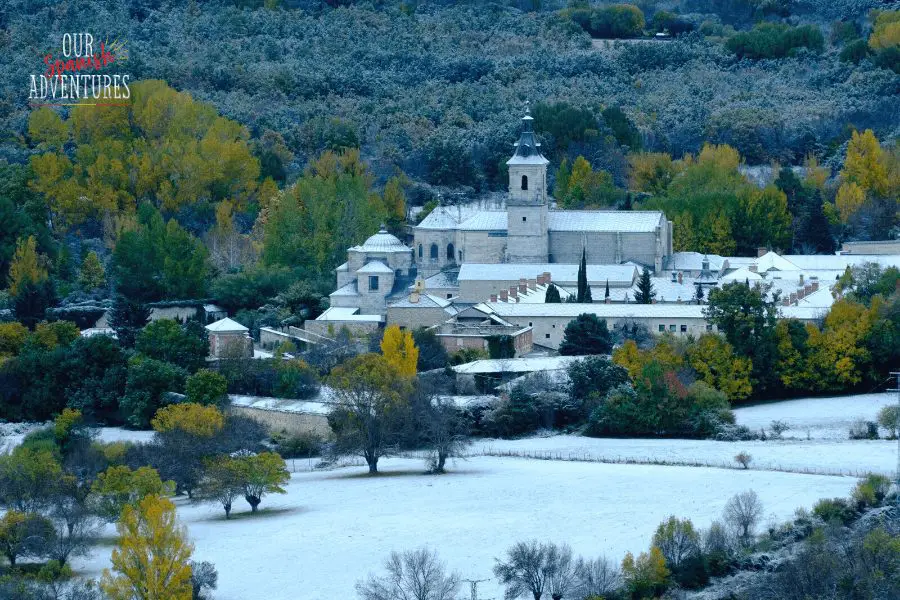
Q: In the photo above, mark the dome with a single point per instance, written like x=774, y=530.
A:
x=384, y=242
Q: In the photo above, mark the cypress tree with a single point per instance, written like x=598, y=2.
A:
x=607, y=289
x=584, y=291
x=645, y=293
x=552, y=296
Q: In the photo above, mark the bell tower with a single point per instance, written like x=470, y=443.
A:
x=526, y=208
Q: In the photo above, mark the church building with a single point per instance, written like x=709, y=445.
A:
x=528, y=230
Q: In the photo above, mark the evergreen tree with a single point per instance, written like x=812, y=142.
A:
x=698, y=296
x=586, y=334
x=645, y=293
x=606, y=295
x=584, y=290
x=31, y=303
x=552, y=296
x=127, y=318
x=92, y=274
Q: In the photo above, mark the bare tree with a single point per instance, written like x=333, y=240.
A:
x=412, y=575
x=203, y=577
x=561, y=579
x=742, y=514
x=597, y=578
x=525, y=570
x=445, y=429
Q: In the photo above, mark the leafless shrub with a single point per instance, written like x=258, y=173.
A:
x=599, y=577
x=412, y=575
x=743, y=459
x=742, y=514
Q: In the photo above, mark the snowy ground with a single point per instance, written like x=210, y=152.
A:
x=333, y=528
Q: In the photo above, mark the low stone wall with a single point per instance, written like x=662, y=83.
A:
x=291, y=422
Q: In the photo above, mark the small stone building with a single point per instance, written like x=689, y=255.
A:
x=228, y=338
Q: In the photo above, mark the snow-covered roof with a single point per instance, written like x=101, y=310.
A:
x=213, y=308
x=92, y=331
x=448, y=217
x=347, y=290
x=620, y=275
x=486, y=220
x=773, y=261
x=742, y=274
x=226, y=325
x=383, y=242
x=443, y=280
x=424, y=301
x=614, y=311
x=375, y=267
x=693, y=261
x=347, y=313
x=343, y=267
x=605, y=220
x=517, y=365
x=839, y=262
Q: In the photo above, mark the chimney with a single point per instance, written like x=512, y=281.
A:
x=493, y=297
x=815, y=286
x=752, y=268
x=786, y=302
x=801, y=294
x=680, y=277
x=801, y=278
x=523, y=288
x=807, y=289
x=504, y=296
x=532, y=283
x=523, y=281
x=540, y=279
x=514, y=292
x=793, y=298
x=547, y=278
x=761, y=251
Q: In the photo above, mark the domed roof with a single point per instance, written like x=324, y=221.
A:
x=384, y=242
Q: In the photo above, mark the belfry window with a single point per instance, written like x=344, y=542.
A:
x=524, y=182
x=434, y=252
x=420, y=250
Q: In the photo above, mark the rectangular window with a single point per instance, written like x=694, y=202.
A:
x=530, y=324
x=449, y=296
x=662, y=328
x=672, y=327
x=547, y=335
x=373, y=283
x=684, y=329
x=524, y=219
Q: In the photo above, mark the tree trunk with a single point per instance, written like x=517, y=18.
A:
x=373, y=464
x=254, y=502
x=227, y=507
x=442, y=460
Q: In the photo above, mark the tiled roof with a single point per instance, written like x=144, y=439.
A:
x=517, y=365
x=614, y=311
x=425, y=301
x=605, y=220
x=382, y=242
x=341, y=313
x=692, y=261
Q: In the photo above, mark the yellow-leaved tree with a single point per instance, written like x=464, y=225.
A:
x=400, y=350
x=151, y=560
x=26, y=266
x=189, y=417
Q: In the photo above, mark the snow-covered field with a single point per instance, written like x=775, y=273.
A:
x=334, y=527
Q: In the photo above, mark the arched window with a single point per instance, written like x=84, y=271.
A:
x=434, y=252
x=420, y=250
x=524, y=182
x=450, y=253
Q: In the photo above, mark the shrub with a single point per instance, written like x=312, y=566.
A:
x=834, y=510
x=777, y=428
x=743, y=459
x=889, y=418
x=863, y=430
x=206, y=387
x=871, y=491
x=775, y=40
x=299, y=445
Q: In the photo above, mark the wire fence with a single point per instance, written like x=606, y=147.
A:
x=317, y=464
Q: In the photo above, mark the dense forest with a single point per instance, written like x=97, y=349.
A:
x=262, y=157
